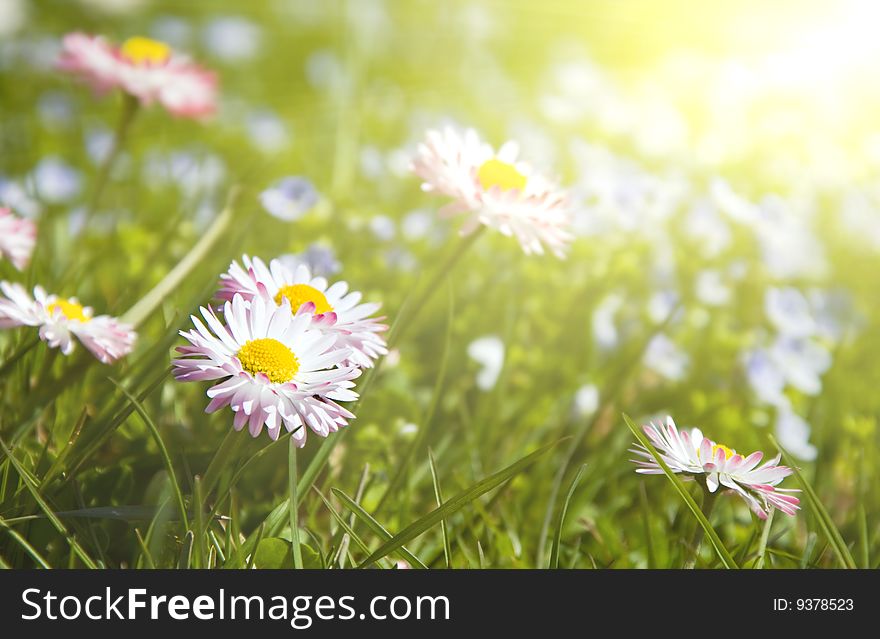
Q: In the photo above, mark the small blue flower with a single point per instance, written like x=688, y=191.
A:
x=55, y=180
x=320, y=259
x=290, y=198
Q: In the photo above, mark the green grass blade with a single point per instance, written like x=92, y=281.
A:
x=832, y=534
x=166, y=458
x=438, y=495
x=199, y=524
x=455, y=504
x=560, y=521
x=293, y=504
x=145, y=551
x=376, y=527
x=30, y=550
x=250, y=558
x=342, y=523
x=35, y=493
x=864, y=544
x=646, y=519
x=186, y=551
x=138, y=313
x=682, y=491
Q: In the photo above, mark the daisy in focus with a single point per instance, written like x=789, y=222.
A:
x=273, y=368
x=494, y=189
x=334, y=308
x=60, y=320
x=693, y=455
x=145, y=69
x=17, y=238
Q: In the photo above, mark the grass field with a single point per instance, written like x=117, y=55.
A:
x=722, y=162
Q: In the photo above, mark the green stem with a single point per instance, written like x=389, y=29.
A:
x=707, y=506
x=126, y=117
x=293, y=504
x=762, y=544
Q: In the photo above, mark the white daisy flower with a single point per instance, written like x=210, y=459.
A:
x=274, y=368
x=60, y=320
x=691, y=454
x=17, y=238
x=494, y=189
x=334, y=308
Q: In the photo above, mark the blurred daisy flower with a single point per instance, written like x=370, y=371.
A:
x=17, y=238
x=60, y=320
x=274, y=368
x=334, y=309
x=488, y=352
x=494, y=189
x=148, y=70
x=691, y=454
x=289, y=199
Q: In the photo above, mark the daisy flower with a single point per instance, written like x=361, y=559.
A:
x=146, y=69
x=274, y=368
x=17, y=238
x=60, y=320
x=334, y=308
x=494, y=189
x=693, y=455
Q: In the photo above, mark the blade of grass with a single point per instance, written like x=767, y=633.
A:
x=35, y=493
x=376, y=527
x=185, y=560
x=199, y=530
x=646, y=518
x=23, y=350
x=342, y=523
x=30, y=550
x=832, y=534
x=145, y=552
x=138, y=313
x=438, y=495
x=166, y=458
x=560, y=521
x=864, y=553
x=250, y=558
x=682, y=491
x=293, y=504
x=456, y=503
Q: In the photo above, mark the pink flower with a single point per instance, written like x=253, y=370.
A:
x=272, y=368
x=60, y=320
x=494, y=189
x=146, y=69
x=333, y=307
x=17, y=238
x=693, y=455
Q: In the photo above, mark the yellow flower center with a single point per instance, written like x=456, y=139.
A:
x=299, y=294
x=144, y=51
x=494, y=172
x=71, y=310
x=728, y=453
x=270, y=357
